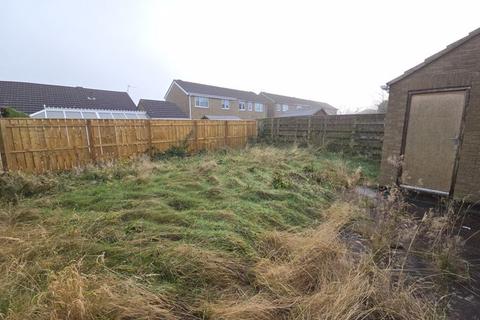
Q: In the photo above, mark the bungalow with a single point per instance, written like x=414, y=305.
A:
x=157, y=109
x=62, y=102
x=205, y=101
x=284, y=106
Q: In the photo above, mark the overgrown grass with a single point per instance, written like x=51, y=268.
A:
x=231, y=235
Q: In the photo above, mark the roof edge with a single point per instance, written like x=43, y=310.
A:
x=266, y=94
x=436, y=56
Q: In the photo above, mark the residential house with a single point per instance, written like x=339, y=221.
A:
x=368, y=111
x=205, y=101
x=157, y=109
x=60, y=102
x=284, y=106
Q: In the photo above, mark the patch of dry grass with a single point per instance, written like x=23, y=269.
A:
x=258, y=234
x=314, y=275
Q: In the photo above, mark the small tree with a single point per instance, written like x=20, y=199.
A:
x=382, y=103
x=9, y=112
x=382, y=106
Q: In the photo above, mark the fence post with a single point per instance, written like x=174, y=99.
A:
x=3, y=145
x=91, y=143
x=149, y=131
x=271, y=128
x=195, y=135
x=309, y=129
x=324, y=133
x=277, y=133
x=117, y=147
x=354, y=130
x=296, y=129
x=226, y=133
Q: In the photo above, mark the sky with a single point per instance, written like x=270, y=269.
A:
x=339, y=52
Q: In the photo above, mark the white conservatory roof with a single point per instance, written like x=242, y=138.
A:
x=70, y=113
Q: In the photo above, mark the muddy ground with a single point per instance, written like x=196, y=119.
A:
x=464, y=297
x=464, y=302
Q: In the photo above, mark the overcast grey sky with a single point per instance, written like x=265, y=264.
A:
x=339, y=52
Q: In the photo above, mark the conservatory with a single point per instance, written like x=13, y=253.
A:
x=74, y=113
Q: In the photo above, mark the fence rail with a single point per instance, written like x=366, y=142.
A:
x=40, y=145
x=360, y=133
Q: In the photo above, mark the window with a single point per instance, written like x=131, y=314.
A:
x=201, y=102
x=258, y=107
x=68, y=113
x=299, y=107
x=118, y=116
x=105, y=115
x=279, y=107
x=131, y=115
x=142, y=116
x=284, y=107
x=55, y=114
x=73, y=115
x=250, y=106
x=225, y=104
x=241, y=106
x=89, y=115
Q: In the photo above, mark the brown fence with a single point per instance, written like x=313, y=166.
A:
x=360, y=133
x=39, y=145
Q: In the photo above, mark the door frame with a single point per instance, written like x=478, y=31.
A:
x=411, y=93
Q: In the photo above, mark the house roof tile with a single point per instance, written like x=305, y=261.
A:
x=220, y=92
x=33, y=97
x=279, y=99
x=161, y=109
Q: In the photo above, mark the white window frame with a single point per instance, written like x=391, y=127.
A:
x=42, y=114
x=250, y=106
x=279, y=107
x=242, y=106
x=258, y=107
x=284, y=107
x=225, y=104
x=197, y=102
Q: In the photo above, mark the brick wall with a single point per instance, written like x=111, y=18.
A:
x=215, y=109
x=458, y=68
x=179, y=97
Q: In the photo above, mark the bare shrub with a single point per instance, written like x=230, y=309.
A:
x=15, y=185
x=445, y=246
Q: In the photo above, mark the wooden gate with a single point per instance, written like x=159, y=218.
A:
x=432, y=140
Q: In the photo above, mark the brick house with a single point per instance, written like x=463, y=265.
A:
x=432, y=125
x=205, y=101
x=284, y=106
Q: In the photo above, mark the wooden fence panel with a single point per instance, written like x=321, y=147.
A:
x=40, y=145
x=360, y=133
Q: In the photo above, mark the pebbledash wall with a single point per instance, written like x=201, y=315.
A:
x=457, y=68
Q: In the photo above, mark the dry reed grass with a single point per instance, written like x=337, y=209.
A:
x=314, y=275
